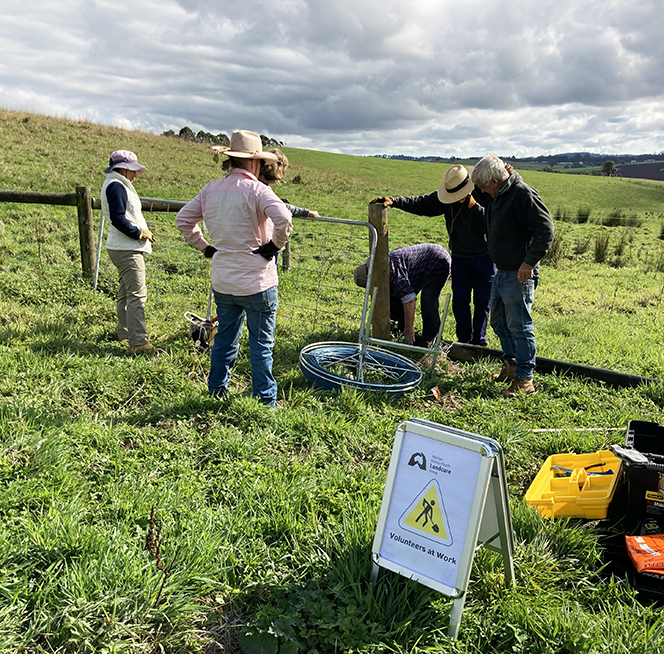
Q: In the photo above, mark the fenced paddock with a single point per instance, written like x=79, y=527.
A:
x=318, y=299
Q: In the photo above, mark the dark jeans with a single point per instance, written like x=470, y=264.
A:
x=429, y=304
x=471, y=276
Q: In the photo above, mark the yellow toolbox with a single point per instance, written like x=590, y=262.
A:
x=575, y=485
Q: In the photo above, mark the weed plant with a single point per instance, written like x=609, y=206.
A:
x=141, y=516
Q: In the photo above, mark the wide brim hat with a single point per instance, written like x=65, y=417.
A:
x=456, y=184
x=124, y=159
x=246, y=145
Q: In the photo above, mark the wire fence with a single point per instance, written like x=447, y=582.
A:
x=318, y=299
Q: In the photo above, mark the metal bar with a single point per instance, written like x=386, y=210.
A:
x=150, y=204
x=99, y=239
x=436, y=351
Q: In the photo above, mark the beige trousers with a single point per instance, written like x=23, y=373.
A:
x=131, y=295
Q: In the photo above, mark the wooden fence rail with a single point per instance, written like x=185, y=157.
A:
x=85, y=204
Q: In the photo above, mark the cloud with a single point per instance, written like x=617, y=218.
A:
x=433, y=77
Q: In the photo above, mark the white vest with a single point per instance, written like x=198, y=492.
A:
x=116, y=239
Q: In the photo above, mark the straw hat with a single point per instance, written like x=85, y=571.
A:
x=124, y=159
x=456, y=184
x=245, y=145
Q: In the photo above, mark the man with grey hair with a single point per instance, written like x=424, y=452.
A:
x=519, y=233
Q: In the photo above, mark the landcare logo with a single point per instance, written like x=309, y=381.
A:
x=418, y=459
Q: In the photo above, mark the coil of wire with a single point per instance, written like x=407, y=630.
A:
x=333, y=365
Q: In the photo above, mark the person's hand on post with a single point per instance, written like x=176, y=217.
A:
x=314, y=214
x=525, y=272
x=146, y=233
x=209, y=251
x=267, y=250
x=385, y=201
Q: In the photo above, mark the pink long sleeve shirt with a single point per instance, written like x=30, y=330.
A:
x=240, y=215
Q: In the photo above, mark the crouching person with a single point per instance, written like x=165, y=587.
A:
x=414, y=269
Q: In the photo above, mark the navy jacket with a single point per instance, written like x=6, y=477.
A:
x=466, y=227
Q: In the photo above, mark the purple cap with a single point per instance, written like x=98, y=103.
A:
x=124, y=159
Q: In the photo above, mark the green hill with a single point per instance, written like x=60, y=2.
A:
x=139, y=515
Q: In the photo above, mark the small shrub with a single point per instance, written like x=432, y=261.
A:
x=563, y=215
x=622, y=244
x=633, y=220
x=581, y=246
x=601, y=247
x=583, y=214
x=655, y=262
x=555, y=252
x=614, y=219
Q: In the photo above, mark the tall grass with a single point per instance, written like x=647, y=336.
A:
x=264, y=518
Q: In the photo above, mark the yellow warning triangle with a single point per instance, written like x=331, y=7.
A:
x=426, y=515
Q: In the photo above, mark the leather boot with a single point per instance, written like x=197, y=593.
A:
x=519, y=386
x=506, y=373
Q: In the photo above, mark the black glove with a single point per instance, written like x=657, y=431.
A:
x=268, y=250
x=209, y=251
x=385, y=201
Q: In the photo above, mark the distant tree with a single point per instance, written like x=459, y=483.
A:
x=204, y=137
x=169, y=132
x=270, y=142
x=187, y=134
x=221, y=139
x=609, y=168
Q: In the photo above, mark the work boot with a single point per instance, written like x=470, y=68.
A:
x=147, y=348
x=519, y=386
x=506, y=373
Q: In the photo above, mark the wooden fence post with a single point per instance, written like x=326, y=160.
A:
x=286, y=257
x=85, y=230
x=380, y=324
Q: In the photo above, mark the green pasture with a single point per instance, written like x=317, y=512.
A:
x=140, y=516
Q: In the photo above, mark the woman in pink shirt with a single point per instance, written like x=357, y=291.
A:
x=247, y=224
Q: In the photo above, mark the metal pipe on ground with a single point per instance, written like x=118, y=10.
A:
x=467, y=352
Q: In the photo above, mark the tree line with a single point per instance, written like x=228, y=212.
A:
x=201, y=136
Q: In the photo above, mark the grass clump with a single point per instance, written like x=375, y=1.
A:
x=601, y=247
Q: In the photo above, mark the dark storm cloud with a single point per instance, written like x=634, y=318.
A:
x=362, y=77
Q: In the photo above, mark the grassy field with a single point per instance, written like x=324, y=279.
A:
x=140, y=516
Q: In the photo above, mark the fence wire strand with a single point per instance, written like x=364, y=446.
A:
x=318, y=298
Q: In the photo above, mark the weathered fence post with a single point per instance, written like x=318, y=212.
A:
x=380, y=324
x=285, y=257
x=85, y=230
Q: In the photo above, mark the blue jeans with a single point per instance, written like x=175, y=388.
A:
x=261, y=311
x=511, y=301
x=471, y=276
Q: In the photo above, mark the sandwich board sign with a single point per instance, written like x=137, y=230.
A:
x=445, y=494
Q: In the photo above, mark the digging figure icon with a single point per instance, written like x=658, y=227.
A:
x=427, y=513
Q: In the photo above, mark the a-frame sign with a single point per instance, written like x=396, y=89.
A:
x=445, y=493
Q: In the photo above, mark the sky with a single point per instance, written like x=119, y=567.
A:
x=426, y=77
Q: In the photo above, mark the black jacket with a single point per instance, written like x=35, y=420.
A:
x=520, y=227
x=466, y=227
